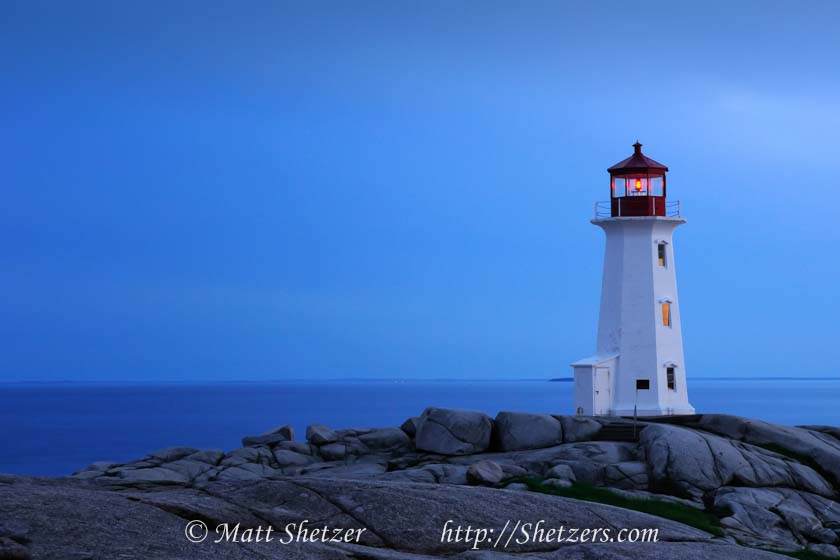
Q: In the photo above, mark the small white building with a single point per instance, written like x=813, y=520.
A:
x=638, y=366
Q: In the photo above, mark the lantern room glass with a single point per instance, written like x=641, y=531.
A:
x=657, y=185
x=638, y=184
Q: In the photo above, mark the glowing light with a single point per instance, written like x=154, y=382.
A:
x=638, y=185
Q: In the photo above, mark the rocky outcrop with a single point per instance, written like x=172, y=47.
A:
x=698, y=462
x=320, y=435
x=629, y=475
x=453, y=432
x=62, y=519
x=817, y=445
x=561, y=472
x=762, y=482
x=485, y=472
x=578, y=428
x=517, y=431
x=277, y=435
x=386, y=439
x=783, y=517
x=410, y=426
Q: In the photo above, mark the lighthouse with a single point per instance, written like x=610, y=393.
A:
x=638, y=367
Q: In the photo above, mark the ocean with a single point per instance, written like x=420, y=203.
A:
x=55, y=429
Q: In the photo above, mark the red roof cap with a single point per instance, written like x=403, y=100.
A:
x=637, y=163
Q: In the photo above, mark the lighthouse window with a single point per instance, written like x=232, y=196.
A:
x=657, y=186
x=619, y=187
x=660, y=249
x=666, y=314
x=638, y=186
x=672, y=381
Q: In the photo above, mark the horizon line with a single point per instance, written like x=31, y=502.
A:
x=372, y=380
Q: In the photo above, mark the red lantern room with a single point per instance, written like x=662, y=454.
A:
x=638, y=186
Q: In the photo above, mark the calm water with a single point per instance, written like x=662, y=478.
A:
x=56, y=429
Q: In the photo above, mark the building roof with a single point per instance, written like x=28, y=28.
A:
x=637, y=163
x=595, y=360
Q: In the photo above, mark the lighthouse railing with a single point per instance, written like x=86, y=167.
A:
x=603, y=209
x=673, y=209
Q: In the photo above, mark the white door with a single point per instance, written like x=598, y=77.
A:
x=601, y=385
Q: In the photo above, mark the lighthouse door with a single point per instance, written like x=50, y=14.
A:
x=601, y=386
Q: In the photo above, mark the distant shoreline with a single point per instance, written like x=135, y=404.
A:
x=204, y=382
x=764, y=378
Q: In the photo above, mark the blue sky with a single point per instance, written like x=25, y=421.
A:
x=206, y=190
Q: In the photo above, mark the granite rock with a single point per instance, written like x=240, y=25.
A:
x=453, y=431
x=485, y=472
x=410, y=426
x=764, y=482
x=320, y=435
x=578, y=428
x=698, y=462
x=519, y=431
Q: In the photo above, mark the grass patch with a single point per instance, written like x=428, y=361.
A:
x=697, y=518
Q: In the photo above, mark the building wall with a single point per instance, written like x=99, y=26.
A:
x=584, y=391
x=630, y=322
x=584, y=383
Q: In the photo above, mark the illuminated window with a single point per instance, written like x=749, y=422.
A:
x=666, y=313
x=660, y=250
x=638, y=186
x=672, y=380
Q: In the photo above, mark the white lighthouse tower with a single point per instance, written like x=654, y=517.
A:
x=638, y=367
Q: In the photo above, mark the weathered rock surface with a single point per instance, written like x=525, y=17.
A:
x=770, y=486
x=333, y=451
x=518, y=431
x=285, y=458
x=410, y=426
x=561, y=471
x=453, y=432
x=61, y=519
x=780, y=516
x=578, y=428
x=629, y=475
x=386, y=439
x=819, y=445
x=698, y=462
x=286, y=430
x=432, y=473
x=271, y=437
x=320, y=435
x=827, y=550
x=485, y=472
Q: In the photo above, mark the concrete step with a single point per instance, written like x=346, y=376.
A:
x=619, y=431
